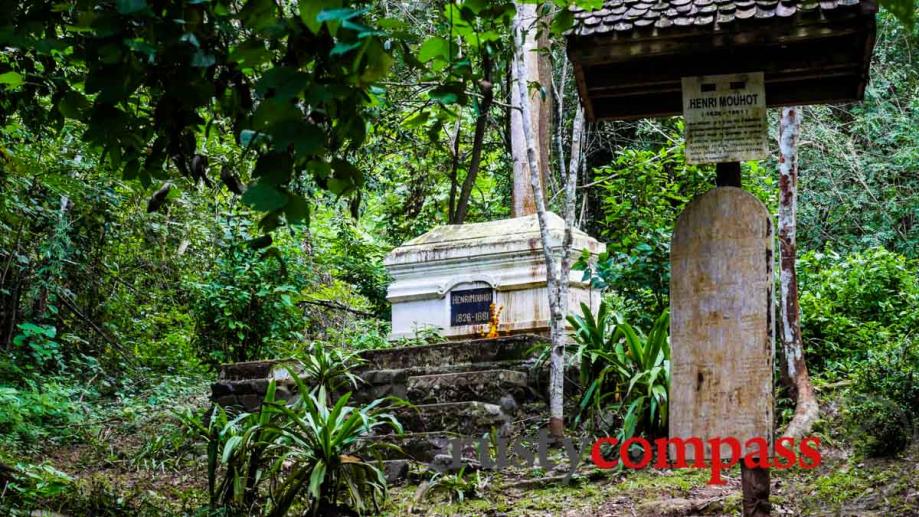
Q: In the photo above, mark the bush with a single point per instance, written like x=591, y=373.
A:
x=641, y=195
x=33, y=413
x=32, y=486
x=855, y=304
x=884, y=402
x=245, y=307
x=36, y=347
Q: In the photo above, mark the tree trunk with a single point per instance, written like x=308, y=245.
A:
x=557, y=375
x=454, y=167
x=556, y=281
x=478, y=141
x=795, y=373
x=523, y=201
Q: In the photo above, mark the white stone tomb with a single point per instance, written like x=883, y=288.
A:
x=449, y=277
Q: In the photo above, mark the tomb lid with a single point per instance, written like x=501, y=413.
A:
x=519, y=235
x=630, y=55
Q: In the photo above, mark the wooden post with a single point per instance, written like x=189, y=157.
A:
x=727, y=174
x=755, y=484
x=755, y=481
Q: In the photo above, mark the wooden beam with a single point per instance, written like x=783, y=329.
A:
x=773, y=31
x=823, y=90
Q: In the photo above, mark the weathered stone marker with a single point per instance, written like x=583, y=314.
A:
x=721, y=320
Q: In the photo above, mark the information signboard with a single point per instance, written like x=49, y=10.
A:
x=725, y=118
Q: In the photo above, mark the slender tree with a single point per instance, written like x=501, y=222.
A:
x=557, y=273
x=486, y=88
x=795, y=373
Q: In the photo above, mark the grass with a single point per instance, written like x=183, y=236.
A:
x=123, y=456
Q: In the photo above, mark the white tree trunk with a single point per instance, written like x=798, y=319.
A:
x=556, y=281
x=571, y=180
x=806, y=410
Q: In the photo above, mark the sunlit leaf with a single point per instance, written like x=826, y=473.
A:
x=10, y=79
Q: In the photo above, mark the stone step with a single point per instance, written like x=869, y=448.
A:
x=493, y=386
x=508, y=348
x=394, y=382
x=420, y=447
x=248, y=394
x=272, y=368
x=395, y=471
x=470, y=418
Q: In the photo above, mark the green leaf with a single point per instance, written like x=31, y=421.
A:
x=317, y=477
x=283, y=82
x=310, y=10
x=11, y=79
x=563, y=21
x=345, y=179
x=249, y=137
x=448, y=94
x=376, y=62
x=305, y=138
x=230, y=446
x=343, y=48
x=202, y=59
x=72, y=104
x=251, y=53
x=417, y=120
x=273, y=169
x=264, y=197
x=319, y=169
x=433, y=48
x=296, y=210
x=274, y=110
x=139, y=45
x=337, y=15
x=259, y=15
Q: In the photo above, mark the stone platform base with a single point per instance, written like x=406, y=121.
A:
x=456, y=389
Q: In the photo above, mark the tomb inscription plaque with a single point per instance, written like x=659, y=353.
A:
x=470, y=306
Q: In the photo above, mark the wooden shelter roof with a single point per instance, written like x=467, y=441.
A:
x=635, y=16
x=630, y=55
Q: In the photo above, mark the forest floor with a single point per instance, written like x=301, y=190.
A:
x=142, y=463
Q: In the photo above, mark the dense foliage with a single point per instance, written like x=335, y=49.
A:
x=857, y=304
x=885, y=401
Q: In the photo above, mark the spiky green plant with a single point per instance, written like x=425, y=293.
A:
x=623, y=370
x=330, y=368
x=304, y=452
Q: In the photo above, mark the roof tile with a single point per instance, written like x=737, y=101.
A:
x=785, y=9
x=628, y=15
x=705, y=19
